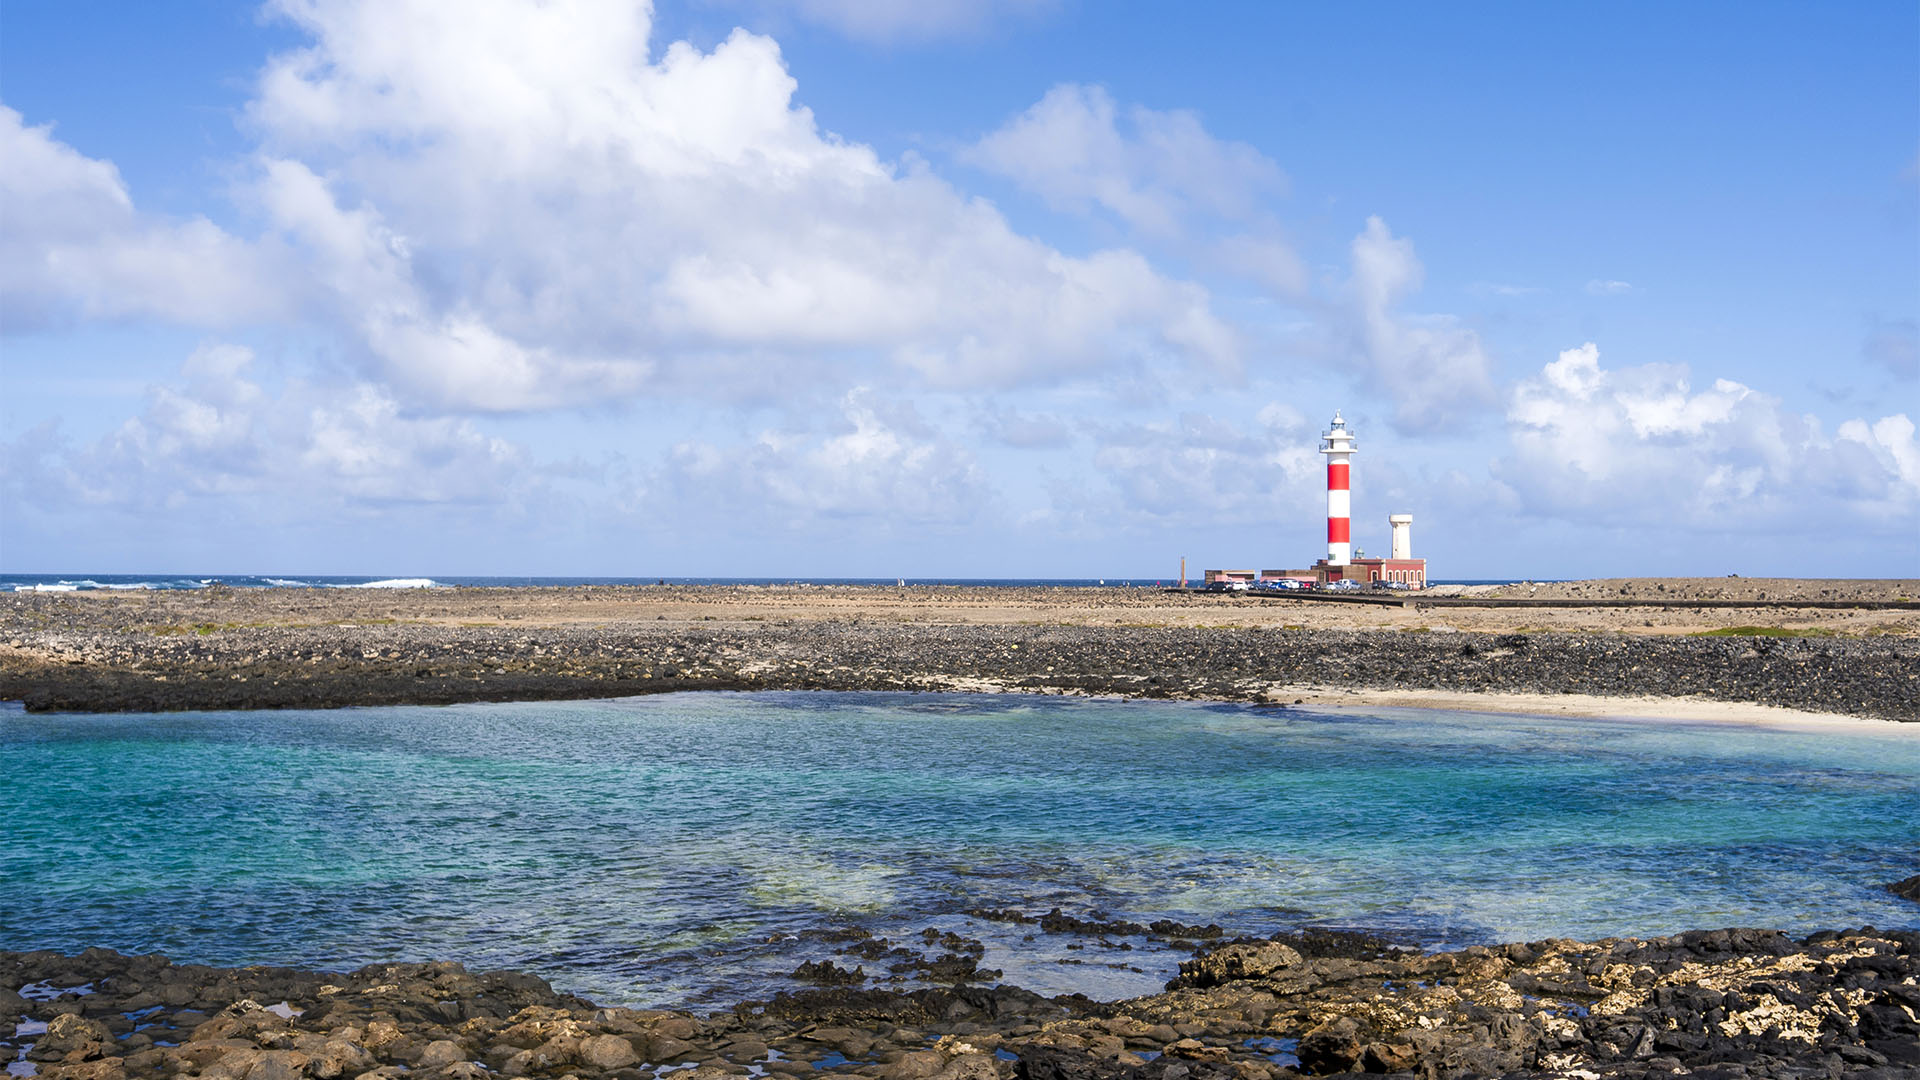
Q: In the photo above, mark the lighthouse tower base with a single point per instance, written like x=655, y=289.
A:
x=1410, y=573
x=1393, y=573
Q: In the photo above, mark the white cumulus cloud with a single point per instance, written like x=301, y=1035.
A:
x=1640, y=445
x=1151, y=168
x=1201, y=465
x=1159, y=172
x=217, y=432
x=73, y=245
x=1889, y=443
x=517, y=206
x=1434, y=370
x=881, y=464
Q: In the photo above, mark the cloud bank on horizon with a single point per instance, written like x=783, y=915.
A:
x=514, y=287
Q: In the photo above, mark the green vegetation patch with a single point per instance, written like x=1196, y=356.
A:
x=202, y=629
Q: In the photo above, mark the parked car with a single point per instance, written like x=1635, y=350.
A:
x=1345, y=585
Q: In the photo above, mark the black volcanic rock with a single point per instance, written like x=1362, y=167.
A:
x=1724, y=1003
x=114, y=669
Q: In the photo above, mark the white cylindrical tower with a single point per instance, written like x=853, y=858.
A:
x=1402, y=535
x=1337, y=444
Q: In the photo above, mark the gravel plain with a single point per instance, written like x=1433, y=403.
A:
x=303, y=648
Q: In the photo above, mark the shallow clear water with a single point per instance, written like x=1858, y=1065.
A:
x=678, y=849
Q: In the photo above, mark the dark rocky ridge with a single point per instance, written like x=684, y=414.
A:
x=52, y=664
x=1723, y=1004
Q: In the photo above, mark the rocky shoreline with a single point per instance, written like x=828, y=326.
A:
x=1725, y=1004
x=67, y=653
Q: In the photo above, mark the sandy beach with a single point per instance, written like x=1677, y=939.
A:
x=1645, y=709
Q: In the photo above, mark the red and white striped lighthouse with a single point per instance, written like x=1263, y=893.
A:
x=1338, y=445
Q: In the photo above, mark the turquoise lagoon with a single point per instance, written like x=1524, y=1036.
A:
x=688, y=849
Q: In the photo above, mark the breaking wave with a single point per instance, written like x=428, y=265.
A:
x=57, y=583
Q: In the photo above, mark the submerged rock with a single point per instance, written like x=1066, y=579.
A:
x=826, y=973
x=1908, y=889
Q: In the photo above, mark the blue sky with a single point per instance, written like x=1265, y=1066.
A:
x=1014, y=288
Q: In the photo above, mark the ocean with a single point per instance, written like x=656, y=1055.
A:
x=692, y=849
x=91, y=582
